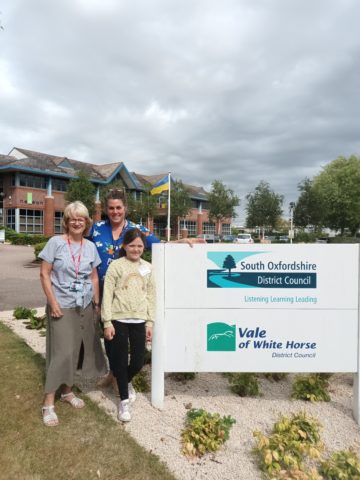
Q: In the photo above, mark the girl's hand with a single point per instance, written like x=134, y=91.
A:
x=148, y=334
x=109, y=333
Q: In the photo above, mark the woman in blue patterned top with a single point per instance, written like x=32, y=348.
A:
x=108, y=237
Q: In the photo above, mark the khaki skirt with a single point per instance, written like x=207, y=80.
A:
x=64, y=337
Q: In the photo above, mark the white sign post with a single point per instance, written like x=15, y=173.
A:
x=258, y=308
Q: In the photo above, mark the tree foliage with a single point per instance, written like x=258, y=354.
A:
x=143, y=208
x=308, y=209
x=180, y=200
x=338, y=186
x=264, y=207
x=222, y=202
x=81, y=189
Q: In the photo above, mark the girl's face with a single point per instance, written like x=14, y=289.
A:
x=134, y=250
x=116, y=211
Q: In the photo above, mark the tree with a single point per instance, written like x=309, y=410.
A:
x=229, y=263
x=83, y=190
x=264, y=207
x=338, y=185
x=180, y=202
x=143, y=208
x=308, y=209
x=222, y=202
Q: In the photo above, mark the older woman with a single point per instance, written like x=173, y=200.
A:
x=70, y=281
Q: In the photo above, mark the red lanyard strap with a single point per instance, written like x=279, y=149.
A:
x=76, y=262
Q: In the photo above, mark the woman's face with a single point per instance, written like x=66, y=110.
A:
x=76, y=225
x=134, y=250
x=116, y=211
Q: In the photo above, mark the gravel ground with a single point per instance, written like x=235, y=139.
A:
x=159, y=431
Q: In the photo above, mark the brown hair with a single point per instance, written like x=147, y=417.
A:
x=115, y=194
x=129, y=237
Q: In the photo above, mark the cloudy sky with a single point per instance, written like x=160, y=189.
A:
x=237, y=90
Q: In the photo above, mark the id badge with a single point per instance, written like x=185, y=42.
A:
x=76, y=286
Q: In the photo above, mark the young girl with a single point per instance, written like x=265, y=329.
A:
x=128, y=310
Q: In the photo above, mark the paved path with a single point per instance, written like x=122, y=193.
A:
x=19, y=278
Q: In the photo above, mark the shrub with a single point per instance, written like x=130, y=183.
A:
x=204, y=432
x=23, y=238
x=182, y=376
x=343, y=465
x=21, y=313
x=147, y=255
x=283, y=451
x=37, y=249
x=140, y=382
x=244, y=384
x=312, y=388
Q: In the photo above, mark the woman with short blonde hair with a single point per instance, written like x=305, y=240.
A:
x=70, y=281
x=76, y=209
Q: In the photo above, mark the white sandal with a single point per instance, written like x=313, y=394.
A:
x=75, y=401
x=50, y=418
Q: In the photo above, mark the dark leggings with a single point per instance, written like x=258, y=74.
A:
x=123, y=370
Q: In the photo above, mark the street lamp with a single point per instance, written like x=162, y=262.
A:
x=291, y=231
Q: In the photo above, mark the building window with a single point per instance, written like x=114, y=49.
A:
x=209, y=228
x=226, y=229
x=191, y=227
x=59, y=185
x=159, y=228
x=57, y=222
x=10, y=218
x=31, y=221
x=32, y=181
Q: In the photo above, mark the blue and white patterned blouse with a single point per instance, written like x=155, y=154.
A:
x=108, y=248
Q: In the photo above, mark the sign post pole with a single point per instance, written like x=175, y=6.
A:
x=356, y=387
x=158, y=342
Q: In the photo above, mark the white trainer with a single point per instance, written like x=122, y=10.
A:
x=124, y=411
x=132, y=393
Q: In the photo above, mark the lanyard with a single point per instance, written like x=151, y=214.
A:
x=76, y=261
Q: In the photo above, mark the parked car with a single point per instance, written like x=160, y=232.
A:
x=209, y=237
x=244, y=238
x=228, y=238
x=283, y=238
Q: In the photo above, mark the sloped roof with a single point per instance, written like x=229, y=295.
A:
x=38, y=162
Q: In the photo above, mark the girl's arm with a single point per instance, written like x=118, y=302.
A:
x=45, y=278
x=106, y=305
x=151, y=304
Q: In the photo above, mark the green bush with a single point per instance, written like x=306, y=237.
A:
x=343, y=465
x=23, y=238
x=37, y=249
x=140, y=382
x=312, y=388
x=147, y=255
x=244, y=384
x=283, y=451
x=204, y=432
x=21, y=313
x=183, y=376
x=305, y=237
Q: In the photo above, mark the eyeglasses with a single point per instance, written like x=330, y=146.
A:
x=74, y=222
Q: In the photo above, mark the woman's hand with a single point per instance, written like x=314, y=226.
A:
x=148, y=334
x=190, y=241
x=109, y=333
x=55, y=310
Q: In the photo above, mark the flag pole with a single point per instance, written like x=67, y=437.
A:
x=169, y=201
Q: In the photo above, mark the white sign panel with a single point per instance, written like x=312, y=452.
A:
x=256, y=308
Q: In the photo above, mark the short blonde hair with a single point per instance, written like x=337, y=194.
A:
x=76, y=209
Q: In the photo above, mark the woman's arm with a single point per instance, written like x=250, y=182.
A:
x=45, y=277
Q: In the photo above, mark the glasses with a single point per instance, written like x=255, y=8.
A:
x=74, y=222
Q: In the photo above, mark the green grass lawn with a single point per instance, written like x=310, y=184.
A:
x=87, y=444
